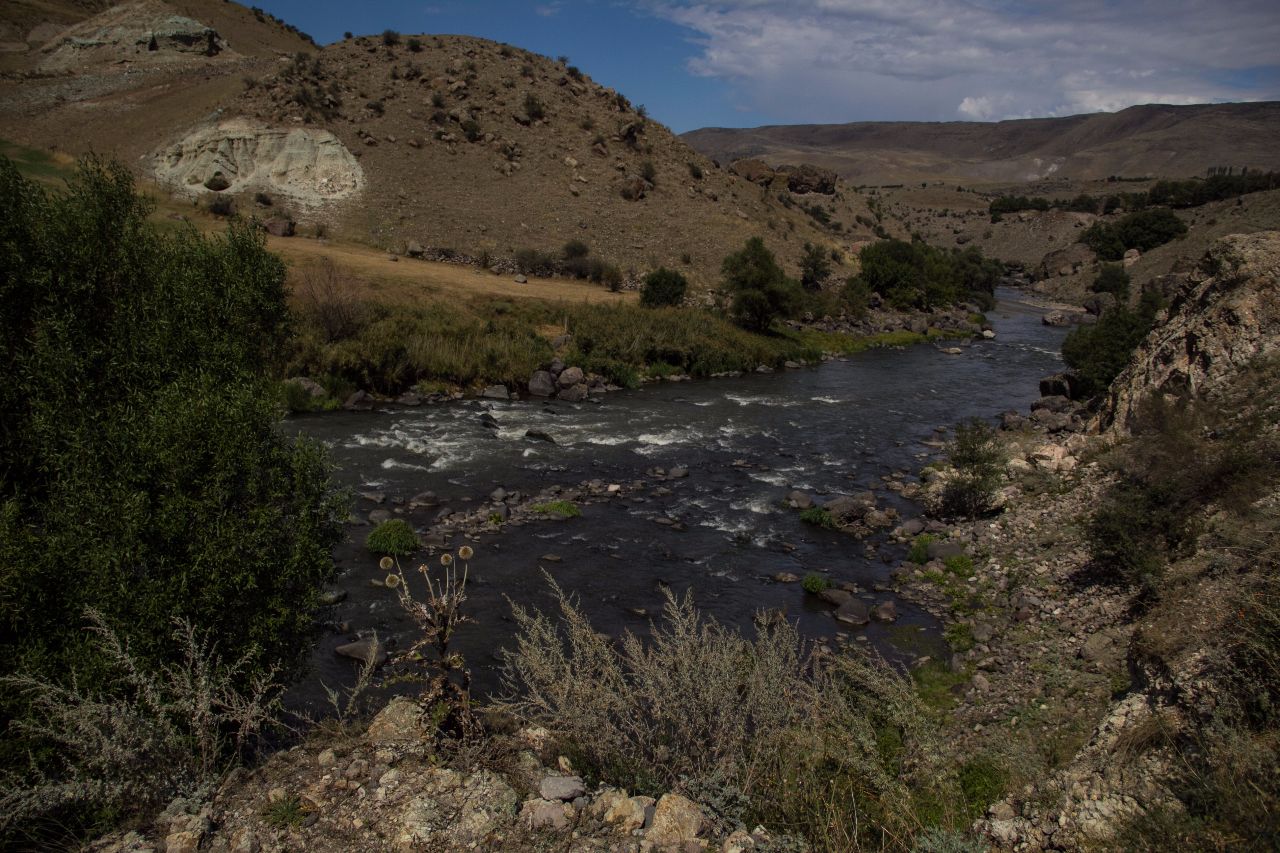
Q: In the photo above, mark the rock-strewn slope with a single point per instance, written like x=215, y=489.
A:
x=1225, y=317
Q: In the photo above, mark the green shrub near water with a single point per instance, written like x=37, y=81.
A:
x=814, y=583
x=978, y=460
x=1097, y=353
x=393, y=536
x=838, y=751
x=563, y=509
x=761, y=291
x=143, y=471
x=918, y=276
x=819, y=517
x=919, y=553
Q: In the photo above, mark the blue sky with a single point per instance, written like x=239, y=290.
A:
x=740, y=63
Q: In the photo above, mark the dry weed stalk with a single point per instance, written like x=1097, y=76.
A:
x=447, y=694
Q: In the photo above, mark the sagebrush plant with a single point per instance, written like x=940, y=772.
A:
x=153, y=734
x=830, y=749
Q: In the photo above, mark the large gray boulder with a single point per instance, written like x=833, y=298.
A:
x=570, y=376
x=542, y=384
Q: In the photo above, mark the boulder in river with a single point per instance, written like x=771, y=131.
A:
x=853, y=612
x=538, y=435
x=799, y=500
x=574, y=393
x=496, y=392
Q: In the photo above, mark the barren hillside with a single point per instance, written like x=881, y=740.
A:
x=459, y=146
x=1154, y=139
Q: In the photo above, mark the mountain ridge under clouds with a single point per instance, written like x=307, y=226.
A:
x=1152, y=139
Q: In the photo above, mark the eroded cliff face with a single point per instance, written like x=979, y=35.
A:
x=143, y=32
x=1224, y=318
x=311, y=167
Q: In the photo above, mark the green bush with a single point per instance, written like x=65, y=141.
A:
x=814, y=583
x=649, y=172
x=1143, y=230
x=695, y=171
x=575, y=249
x=663, y=287
x=761, y=291
x=415, y=45
x=960, y=565
x=815, y=266
x=918, y=276
x=564, y=509
x=394, y=536
x=1097, y=353
x=978, y=460
x=819, y=517
x=919, y=553
x=144, y=472
x=533, y=108
x=1112, y=279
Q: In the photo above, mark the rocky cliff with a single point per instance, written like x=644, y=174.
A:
x=1226, y=316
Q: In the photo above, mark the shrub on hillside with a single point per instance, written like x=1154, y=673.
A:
x=761, y=290
x=1112, y=279
x=390, y=38
x=815, y=266
x=1143, y=230
x=663, y=287
x=535, y=262
x=144, y=472
x=533, y=108
x=1097, y=353
x=575, y=249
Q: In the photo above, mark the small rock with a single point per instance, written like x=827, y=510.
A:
x=676, y=820
x=562, y=788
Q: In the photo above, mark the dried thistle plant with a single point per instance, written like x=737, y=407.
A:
x=439, y=613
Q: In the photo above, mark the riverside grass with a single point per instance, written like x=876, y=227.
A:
x=486, y=341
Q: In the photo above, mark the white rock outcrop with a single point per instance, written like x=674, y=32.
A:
x=311, y=167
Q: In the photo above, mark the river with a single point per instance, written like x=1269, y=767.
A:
x=832, y=429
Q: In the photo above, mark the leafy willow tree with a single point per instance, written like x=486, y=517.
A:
x=142, y=469
x=815, y=266
x=761, y=290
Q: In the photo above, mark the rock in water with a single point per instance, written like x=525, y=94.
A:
x=360, y=650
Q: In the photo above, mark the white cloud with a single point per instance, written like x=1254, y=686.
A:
x=843, y=60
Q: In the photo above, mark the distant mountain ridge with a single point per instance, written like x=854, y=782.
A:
x=1153, y=139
